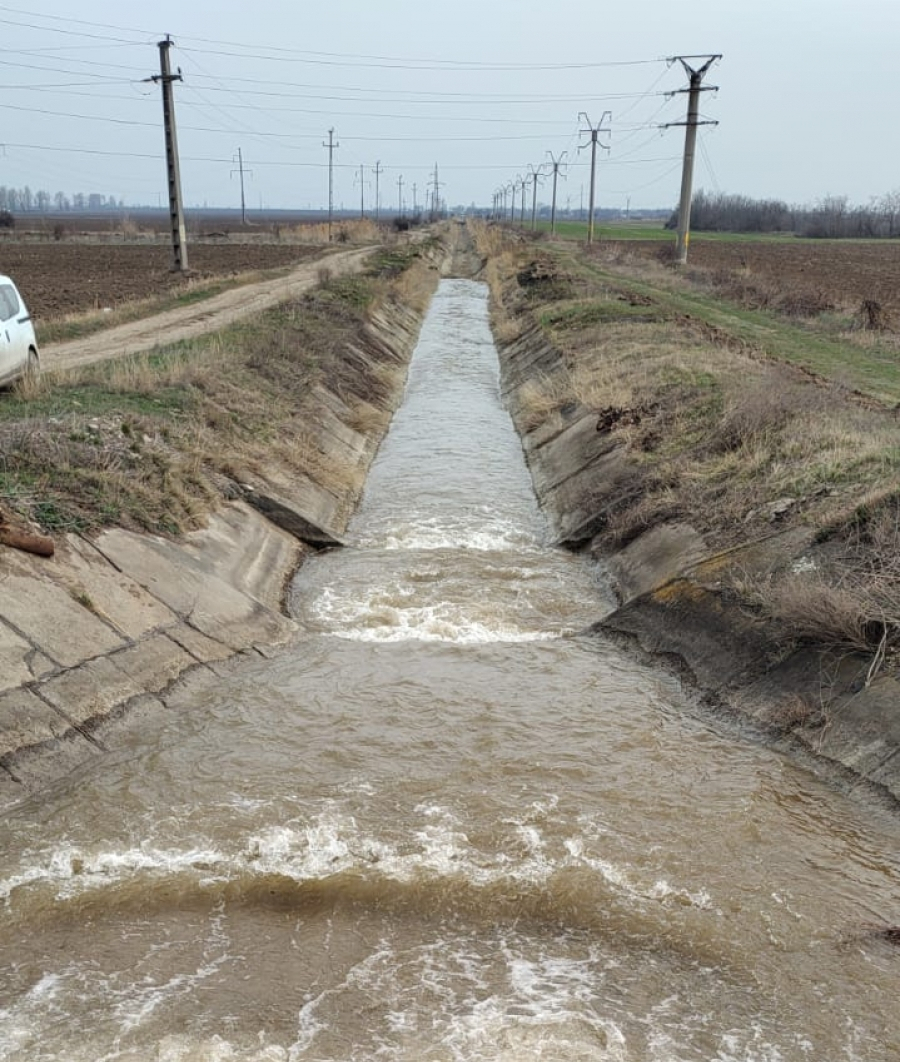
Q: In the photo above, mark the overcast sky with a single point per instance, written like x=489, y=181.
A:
x=806, y=102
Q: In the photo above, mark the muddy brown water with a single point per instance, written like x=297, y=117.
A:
x=444, y=824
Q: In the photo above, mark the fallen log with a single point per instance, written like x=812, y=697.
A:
x=41, y=545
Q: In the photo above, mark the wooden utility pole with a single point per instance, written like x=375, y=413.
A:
x=377, y=169
x=556, y=163
x=331, y=145
x=594, y=132
x=176, y=208
x=240, y=170
x=693, y=90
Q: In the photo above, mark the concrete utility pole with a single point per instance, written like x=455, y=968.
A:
x=176, y=209
x=594, y=132
x=522, y=211
x=331, y=145
x=415, y=203
x=556, y=163
x=240, y=169
x=436, y=200
x=534, y=176
x=362, y=191
x=400, y=195
x=377, y=169
x=690, y=141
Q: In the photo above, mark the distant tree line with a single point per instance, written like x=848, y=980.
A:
x=830, y=218
x=26, y=201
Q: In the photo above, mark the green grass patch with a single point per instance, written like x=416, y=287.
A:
x=873, y=371
x=389, y=262
x=585, y=314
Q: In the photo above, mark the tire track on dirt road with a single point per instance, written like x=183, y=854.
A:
x=187, y=322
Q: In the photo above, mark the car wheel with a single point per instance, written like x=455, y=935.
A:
x=33, y=366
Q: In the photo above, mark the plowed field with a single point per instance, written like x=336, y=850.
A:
x=840, y=273
x=58, y=278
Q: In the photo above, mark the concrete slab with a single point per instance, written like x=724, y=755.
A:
x=15, y=659
x=27, y=720
x=154, y=663
x=576, y=447
x=201, y=648
x=94, y=689
x=652, y=559
x=49, y=617
x=119, y=600
x=184, y=577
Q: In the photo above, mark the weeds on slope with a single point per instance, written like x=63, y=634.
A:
x=153, y=441
x=723, y=425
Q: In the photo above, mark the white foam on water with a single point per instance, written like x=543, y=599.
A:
x=75, y=870
x=19, y=1020
x=331, y=842
x=378, y=615
x=489, y=536
x=659, y=890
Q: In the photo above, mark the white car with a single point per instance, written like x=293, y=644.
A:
x=18, y=347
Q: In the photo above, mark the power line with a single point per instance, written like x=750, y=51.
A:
x=281, y=54
x=68, y=33
x=77, y=21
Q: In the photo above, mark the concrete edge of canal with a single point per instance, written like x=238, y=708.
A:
x=109, y=624
x=677, y=604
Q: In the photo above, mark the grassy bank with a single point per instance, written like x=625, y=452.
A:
x=154, y=441
x=735, y=421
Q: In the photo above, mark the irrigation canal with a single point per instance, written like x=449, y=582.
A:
x=444, y=824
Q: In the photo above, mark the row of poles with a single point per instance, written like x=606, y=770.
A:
x=505, y=197
x=165, y=78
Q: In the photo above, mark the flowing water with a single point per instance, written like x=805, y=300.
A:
x=445, y=825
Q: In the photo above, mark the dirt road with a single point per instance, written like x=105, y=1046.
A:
x=207, y=316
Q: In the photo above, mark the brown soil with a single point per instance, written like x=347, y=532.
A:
x=206, y=315
x=67, y=276
x=842, y=274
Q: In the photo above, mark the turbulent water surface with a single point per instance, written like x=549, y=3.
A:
x=444, y=824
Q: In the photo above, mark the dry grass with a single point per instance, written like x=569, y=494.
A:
x=851, y=598
x=150, y=441
x=540, y=398
x=718, y=436
x=357, y=231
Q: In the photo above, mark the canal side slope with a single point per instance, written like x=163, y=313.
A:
x=120, y=612
x=746, y=508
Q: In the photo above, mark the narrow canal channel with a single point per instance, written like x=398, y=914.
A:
x=445, y=825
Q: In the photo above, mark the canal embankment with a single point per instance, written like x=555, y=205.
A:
x=746, y=510
x=223, y=462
